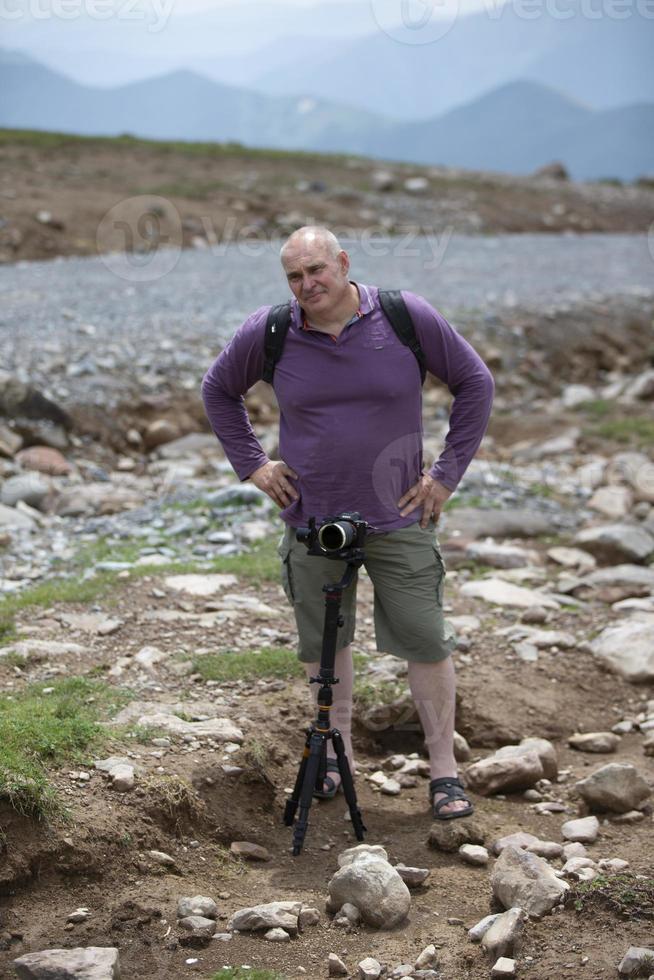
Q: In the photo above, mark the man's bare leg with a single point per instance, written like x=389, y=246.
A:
x=341, y=713
x=433, y=688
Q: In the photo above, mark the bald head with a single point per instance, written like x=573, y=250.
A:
x=311, y=238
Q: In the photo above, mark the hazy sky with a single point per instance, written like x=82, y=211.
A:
x=465, y=6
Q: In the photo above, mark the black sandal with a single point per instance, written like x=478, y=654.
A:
x=453, y=789
x=330, y=793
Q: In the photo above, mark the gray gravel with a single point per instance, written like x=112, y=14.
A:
x=88, y=329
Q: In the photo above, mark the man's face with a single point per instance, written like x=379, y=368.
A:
x=317, y=279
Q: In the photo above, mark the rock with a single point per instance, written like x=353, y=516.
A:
x=95, y=623
x=220, y=729
x=501, y=593
x=504, y=967
x=148, y=657
x=20, y=400
x=574, y=849
x=162, y=858
x=627, y=648
x=248, y=851
x=612, y=502
x=308, y=917
x=582, y=831
x=427, y=958
x=200, y=585
x=617, y=542
x=614, y=865
x=197, y=926
x=496, y=555
x=449, y=835
x=197, y=905
x=548, y=849
x=523, y=880
x=44, y=459
x=497, y=775
x=534, y=614
x=390, y=787
x=382, y=180
x=277, y=936
x=553, y=171
x=461, y=748
x=502, y=938
x=573, y=395
x=10, y=441
x=42, y=649
x=273, y=915
x=28, y=488
x=599, y=742
x=635, y=469
x=90, y=963
x=12, y=518
x=543, y=748
x=412, y=877
x=620, y=575
x=636, y=962
x=159, y=432
x=642, y=387
x=367, y=880
x=520, y=839
x=336, y=967
x=369, y=969
x=615, y=787
x=416, y=185
x=123, y=778
x=574, y=864
x=514, y=523
x=572, y=558
x=79, y=915
x=350, y=913
x=474, y=854
x=540, y=638
x=479, y=930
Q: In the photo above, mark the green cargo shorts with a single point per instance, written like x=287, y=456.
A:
x=407, y=572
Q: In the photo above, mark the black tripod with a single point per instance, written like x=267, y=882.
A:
x=312, y=771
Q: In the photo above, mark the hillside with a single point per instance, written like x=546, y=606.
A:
x=55, y=190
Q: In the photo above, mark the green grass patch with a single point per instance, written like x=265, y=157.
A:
x=239, y=973
x=249, y=664
x=370, y=695
x=597, y=408
x=38, y=729
x=628, y=895
x=636, y=430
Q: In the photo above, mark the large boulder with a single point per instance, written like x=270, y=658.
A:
x=527, y=881
x=90, y=963
x=273, y=915
x=617, y=542
x=367, y=880
x=627, y=648
x=616, y=787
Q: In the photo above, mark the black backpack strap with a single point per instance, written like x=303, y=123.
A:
x=277, y=324
x=394, y=307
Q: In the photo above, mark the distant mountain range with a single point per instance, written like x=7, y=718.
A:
x=516, y=127
x=338, y=52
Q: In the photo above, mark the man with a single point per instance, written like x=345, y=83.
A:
x=349, y=394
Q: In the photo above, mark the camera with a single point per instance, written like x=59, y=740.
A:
x=335, y=537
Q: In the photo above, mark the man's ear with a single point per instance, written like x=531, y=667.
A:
x=344, y=261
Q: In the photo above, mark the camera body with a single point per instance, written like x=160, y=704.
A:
x=338, y=537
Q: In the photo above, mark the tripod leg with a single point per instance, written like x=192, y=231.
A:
x=294, y=798
x=311, y=771
x=348, y=783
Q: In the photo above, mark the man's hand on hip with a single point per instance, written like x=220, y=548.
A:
x=428, y=493
x=272, y=479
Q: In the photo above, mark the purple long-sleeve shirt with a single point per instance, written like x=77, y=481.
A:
x=351, y=409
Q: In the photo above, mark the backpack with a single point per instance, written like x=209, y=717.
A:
x=391, y=302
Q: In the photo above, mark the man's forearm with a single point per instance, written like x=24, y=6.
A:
x=468, y=422
x=230, y=422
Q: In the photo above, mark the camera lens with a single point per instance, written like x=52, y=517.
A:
x=337, y=535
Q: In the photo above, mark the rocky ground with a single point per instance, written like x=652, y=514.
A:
x=147, y=655
x=60, y=195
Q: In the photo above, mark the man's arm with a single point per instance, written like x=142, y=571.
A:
x=454, y=362
x=232, y=374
